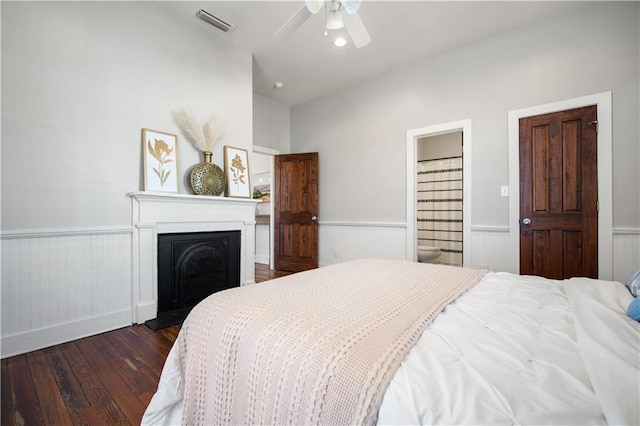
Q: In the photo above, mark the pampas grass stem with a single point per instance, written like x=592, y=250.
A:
x=204, y=137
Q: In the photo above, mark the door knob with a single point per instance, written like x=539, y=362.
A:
x=314, y=217
x=526, y=221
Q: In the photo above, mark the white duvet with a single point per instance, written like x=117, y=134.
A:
x=512, y=350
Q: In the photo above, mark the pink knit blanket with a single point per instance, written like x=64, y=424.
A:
x=317, y=347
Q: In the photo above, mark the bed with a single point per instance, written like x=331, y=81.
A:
x=397, y=342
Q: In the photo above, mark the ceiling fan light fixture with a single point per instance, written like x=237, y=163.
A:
x=348, y=23
x=334, y=20
x=339, y=38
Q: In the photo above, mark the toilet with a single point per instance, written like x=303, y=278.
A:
x=428, y=254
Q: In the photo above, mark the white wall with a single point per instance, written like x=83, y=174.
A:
x=79, y=82
x=360, y=132
x=260, y=163
x=271, y=130
x=271, y=124
x=439, y=146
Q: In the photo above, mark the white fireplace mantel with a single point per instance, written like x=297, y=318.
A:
x=154, y=213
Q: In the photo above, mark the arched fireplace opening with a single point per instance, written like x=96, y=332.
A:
x=191, y=267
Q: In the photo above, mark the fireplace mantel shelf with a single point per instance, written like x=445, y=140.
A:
x=187, y=198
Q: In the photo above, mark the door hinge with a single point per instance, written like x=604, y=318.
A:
x=596, y=124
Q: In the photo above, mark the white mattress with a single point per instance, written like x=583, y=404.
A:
x=512, y=350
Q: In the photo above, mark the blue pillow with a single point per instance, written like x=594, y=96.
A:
x=634, y=284
x=634, y=309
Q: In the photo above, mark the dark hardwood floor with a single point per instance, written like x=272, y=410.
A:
x=263, y=273
x=106, y=379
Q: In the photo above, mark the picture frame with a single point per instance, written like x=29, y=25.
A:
x=262, y=186
x=236, y=168
x=160, y=160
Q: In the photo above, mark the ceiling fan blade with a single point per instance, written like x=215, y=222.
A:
x=293, y=23
x=351, y=6
x=314, y=6
x=356, y=29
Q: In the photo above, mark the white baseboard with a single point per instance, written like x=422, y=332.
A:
x=61, y=333
x=146, y=311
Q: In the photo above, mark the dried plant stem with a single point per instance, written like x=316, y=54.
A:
x=204, y=137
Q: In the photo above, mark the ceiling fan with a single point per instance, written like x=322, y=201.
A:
x=338, y=14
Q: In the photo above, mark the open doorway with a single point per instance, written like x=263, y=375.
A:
x=463, y=129
x=439, y=200
x=262, y=171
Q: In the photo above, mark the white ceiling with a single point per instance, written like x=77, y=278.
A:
x=402, y=32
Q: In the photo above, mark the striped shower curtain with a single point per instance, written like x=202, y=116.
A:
x=440, y=207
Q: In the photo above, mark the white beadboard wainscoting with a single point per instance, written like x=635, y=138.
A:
x=61, y=285
x=626, y=253
x=490, y=250
x=490, y=247
x=263, y=244
x=342, y=241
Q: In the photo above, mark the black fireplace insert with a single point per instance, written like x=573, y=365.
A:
x=192, y=266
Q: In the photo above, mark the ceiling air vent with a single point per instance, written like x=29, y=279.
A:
x=214, y=20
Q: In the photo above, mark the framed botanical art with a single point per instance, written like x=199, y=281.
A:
x=236, y=168
x=160, y=161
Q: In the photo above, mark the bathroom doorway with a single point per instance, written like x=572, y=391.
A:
x=438, y=199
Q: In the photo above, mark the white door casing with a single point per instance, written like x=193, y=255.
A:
x=412, y=140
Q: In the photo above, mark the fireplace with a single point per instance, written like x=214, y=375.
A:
x=155, y=214
x=192, y=266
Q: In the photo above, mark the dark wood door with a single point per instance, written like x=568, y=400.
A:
x=558, y=194
x=296, y=212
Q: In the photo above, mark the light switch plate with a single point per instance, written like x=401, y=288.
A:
x=504, y=191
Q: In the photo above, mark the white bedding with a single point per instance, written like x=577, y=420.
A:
x=512, y=350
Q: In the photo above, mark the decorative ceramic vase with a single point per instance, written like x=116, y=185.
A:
x=207, y=178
